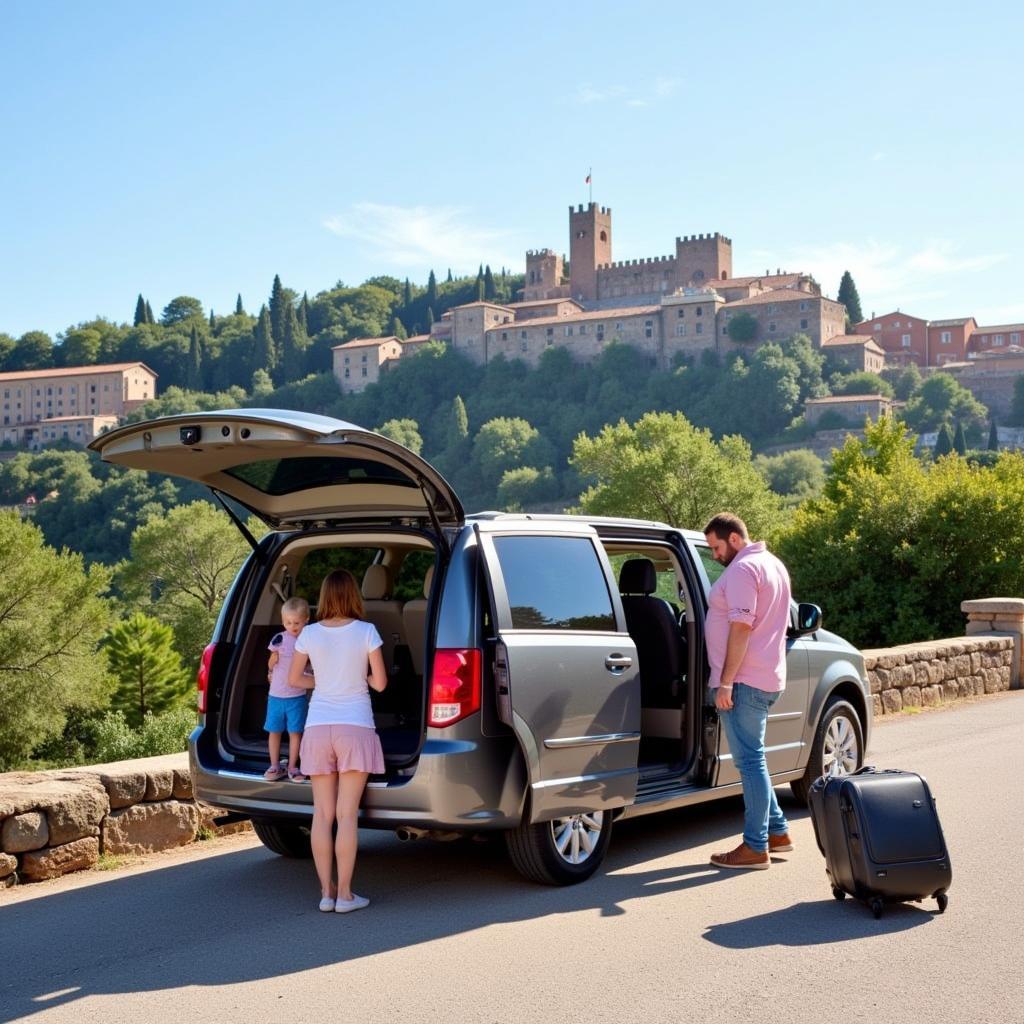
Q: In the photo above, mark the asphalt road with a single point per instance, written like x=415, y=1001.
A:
x=231, y=932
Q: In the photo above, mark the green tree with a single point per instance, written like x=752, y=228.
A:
x=432, y=291
x=51, y=619
x=500, y=444
x=458, y=423
x=895, y=544
x=742, y=327
x=406, y=297
x=1017, y=404
x=180, y=568
x=140, y=311
x=861, y=383
x=398, y=329
x=943, y=399
x=405, y=432
x=146, y=668
x=959, y=441
x=943, y=442
x=6, y=348
x=522, y=488
x=490, y=291
x=32, y=351
x=905, y=380
x=850, y=299
x=150, y=319
x=430, y=319
x=239, y=308
x=264, y=349
x=795, y=475
x=293, y=350
x=194, y=374
x=993, y=437
x=261, y=385
x=80, y=347
x=212, y=322
x=180, y=309
x=664, y=468
x=303, y=313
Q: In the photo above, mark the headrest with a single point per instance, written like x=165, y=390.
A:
x=637, y=576
x=375, y=583
x=427, y=580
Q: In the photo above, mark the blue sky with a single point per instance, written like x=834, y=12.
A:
x=198, y=148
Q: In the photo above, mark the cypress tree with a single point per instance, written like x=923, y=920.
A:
x=490, y=292
x=150, y=319
x=943, y=443
x=432, y=290
x=264, y=350
x=458, y=423
x=959, y=440
x=140, y=312
x=304, y=313
x=194, y=370
x=278, y=301
x=430, y=320
x=450, y=278
x=212, y=322
x=293, y=350
x=239, y=308
x=479, y=289
x=398, y=328
x=850, y=299
x=406, y=296
x=993, y=437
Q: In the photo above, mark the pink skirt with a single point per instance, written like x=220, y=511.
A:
x=327, y=749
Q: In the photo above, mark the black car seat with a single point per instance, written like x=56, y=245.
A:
x=653, y=627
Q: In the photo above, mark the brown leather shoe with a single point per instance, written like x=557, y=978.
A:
x=742, y=857
x=780, y=844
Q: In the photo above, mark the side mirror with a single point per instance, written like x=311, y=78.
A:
x=807, y=620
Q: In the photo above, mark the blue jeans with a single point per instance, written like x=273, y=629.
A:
x=744, y=727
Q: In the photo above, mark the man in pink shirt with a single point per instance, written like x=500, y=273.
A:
x=748, y=614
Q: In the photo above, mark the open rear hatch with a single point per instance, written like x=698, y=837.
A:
x=292, y=469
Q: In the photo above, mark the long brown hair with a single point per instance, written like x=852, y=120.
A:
x=339, y=597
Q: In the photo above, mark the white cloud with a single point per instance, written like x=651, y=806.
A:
x=888, y=275
x=659, y=89
x=423, y=236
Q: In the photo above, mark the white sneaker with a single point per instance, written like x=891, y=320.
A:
x=327, y=904
x=347, y=906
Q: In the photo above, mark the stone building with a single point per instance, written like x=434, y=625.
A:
x=783, y=312
x=856, y=353
x=990, y=377
x=360, y=362
x=852, y=408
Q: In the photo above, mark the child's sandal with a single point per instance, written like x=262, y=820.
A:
x=296, y=776
x=274, y=772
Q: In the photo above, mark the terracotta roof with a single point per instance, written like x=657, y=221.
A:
x=568, y=321
x=847, y=398
x=416, y=339
x=66, y=419
x=483, y=302
x=955, y=322
x=999, y=329
x=885, y=316
x=72, y=371
x=542, y=302
x=778, y=295
x=366, y=342
x=843, y=340
x=775, y=280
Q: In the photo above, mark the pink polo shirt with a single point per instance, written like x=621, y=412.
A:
x=754, y=588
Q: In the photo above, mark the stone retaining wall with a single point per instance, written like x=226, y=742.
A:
x=59, y=821
x=933, y=673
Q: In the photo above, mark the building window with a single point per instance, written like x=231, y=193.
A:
x=551, y=331
x=568, y=332
x=999, y=340
x=49, y=391
x=772, y=308
x=346, y=373
x=895, y=323
x=618, y=326
x=1014, y=339
x=878, y=327
x=771, y=327
x=803, y=324
x=524, y=345
x=680, y=330
x=946, y=337
x=700, y=328
x=803, y=307
x=725, y=330
x=680, y=312
x=648, y=329
x=583, y=328
x=504, y=335
x=905, y=340
x=346, y=360
x=364, y=371
x=700, y=311
x=364, y=357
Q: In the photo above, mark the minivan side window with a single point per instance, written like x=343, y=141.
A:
x=711, y=567
x=555, y=583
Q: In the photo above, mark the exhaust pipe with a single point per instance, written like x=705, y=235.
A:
x=407, y=833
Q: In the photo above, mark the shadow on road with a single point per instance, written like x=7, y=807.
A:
x=817, y=923
x=249, y=915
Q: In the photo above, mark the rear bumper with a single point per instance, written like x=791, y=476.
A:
x=456, y=784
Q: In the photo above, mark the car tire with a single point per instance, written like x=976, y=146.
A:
x=286, y=840
x=839, y=723
x=560, y=852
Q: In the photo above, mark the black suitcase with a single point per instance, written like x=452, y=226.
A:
x=881, y=837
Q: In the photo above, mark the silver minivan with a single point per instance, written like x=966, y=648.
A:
x=547, y=673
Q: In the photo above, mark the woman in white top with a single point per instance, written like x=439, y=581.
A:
x=340, y=747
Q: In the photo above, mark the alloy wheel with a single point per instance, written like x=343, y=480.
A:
x=575, y=838
x=839, y=752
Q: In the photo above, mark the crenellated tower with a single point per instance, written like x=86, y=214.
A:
x=590, y=246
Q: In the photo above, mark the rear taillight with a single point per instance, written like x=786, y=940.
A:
x=203, y=677
x=454, y=685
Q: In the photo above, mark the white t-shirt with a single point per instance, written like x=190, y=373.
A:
x=340, y=656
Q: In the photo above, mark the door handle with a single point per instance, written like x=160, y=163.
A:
x=617, y=662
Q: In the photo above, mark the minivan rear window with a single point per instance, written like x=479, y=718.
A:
x=285, y=476
x=555, y=583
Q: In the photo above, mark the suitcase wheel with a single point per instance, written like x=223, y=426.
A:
x=837, y=893
x=877, y=906
x=943, y=901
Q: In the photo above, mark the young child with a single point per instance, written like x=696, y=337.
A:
x=286, y=705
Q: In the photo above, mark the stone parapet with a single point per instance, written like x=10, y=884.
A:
x=999, y=616
x=54, y=822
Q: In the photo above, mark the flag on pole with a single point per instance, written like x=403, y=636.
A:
x=586, y=181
